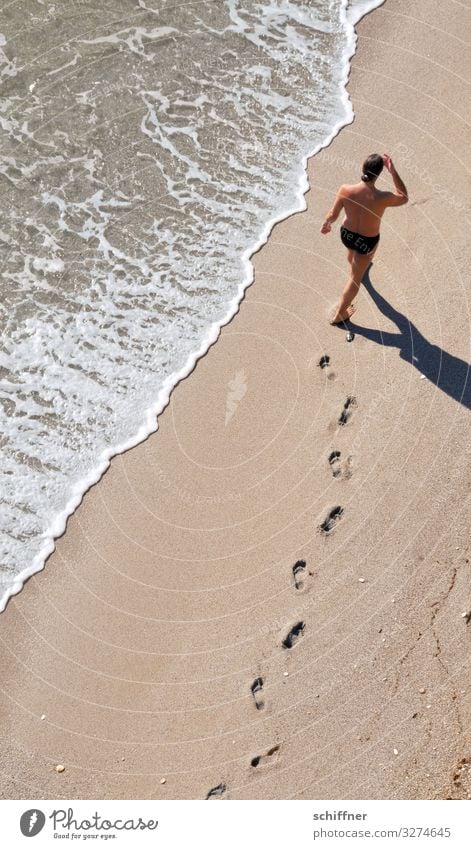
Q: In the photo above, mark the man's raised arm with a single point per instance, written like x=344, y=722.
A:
x=400, y=196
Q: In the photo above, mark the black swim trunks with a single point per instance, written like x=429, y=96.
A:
x=357, y=242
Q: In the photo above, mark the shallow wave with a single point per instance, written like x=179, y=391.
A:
x=146, y=156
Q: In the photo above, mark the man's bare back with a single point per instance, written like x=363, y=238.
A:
x=364, y=205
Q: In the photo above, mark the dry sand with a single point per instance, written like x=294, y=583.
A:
x=172, y=589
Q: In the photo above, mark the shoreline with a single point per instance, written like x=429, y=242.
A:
x=150, y=416
x=157, y=612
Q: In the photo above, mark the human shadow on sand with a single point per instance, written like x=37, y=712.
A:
x=447, y=372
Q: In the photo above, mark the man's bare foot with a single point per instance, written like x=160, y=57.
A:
x=340, y=317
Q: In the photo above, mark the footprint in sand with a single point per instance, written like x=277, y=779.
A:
x=256, y=688
x=340, y=468
x=298, y=569
x=334, y=462
x=216, y=792
x=347, y=410
x=331, y=520
x=294, y=634
x=261, y=759
x=324, y=364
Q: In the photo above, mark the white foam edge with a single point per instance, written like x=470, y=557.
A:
x=349, y=18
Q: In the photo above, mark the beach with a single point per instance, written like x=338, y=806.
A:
x=169, y=649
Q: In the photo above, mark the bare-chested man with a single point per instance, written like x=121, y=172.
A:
x=363, y=205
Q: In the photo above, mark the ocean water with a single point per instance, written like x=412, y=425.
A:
x=147, y=149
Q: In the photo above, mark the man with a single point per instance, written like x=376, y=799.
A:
x=363, y=205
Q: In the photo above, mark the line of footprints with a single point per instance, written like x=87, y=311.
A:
x=339, y=469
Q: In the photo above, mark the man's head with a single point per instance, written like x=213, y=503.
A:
x=372, y=167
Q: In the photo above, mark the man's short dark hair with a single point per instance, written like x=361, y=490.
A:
x=372, y=167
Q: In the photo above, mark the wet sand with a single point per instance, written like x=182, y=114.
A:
x=172, y=594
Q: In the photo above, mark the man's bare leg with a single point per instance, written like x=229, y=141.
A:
x=345, y=308
x=359, y=263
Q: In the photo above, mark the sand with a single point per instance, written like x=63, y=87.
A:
x=131, y=657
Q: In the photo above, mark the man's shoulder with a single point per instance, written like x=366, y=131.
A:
x=346, y=189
